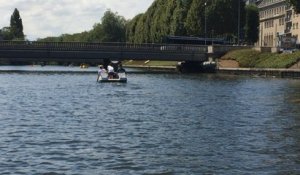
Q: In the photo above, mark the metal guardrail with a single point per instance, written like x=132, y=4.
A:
x=72, y=46
x=32, y=50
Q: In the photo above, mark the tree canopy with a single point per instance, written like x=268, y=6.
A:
x=6, y=34
x=188, y=17
x=252, y=24
x=296, y=4
x=16, y=25
x=220, y=18
x=15, y=30
x=112, y=28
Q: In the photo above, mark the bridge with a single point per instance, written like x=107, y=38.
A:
x=30, y=51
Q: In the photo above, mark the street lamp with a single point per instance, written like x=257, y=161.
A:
x=212, y=37
x=205, y=22
x=239, y=20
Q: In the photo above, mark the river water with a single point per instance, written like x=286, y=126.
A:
x=156, y=124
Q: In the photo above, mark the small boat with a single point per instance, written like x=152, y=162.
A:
x=119, y=78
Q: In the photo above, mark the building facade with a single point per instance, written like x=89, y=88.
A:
x=251, y=2
x=277, y=20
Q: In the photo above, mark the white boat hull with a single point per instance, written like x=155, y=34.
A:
x=105, y=79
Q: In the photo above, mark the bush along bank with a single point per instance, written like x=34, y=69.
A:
x=249, y=58
x=251, y=62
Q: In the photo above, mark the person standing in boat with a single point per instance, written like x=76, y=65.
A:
x=121, y=69
x=121, y=72
x=101, y=72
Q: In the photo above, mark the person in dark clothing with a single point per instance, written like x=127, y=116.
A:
x=121, y=69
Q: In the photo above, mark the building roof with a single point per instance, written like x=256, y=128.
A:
x=266, y=3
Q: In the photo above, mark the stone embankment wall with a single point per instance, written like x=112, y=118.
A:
x=232, y=67
x=281, y=73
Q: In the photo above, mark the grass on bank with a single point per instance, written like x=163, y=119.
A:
x=150, y=63
x=253, y=59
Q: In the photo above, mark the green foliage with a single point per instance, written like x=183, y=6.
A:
x=253, y=59
x=246, y=58
x=171, y=17
x=16, y=25
x=151, y=63
x=278, y=60
x=156, y=23
x=196, y=18
x=6, y=34
x=296, y=4
x=187, y=17
x=131, y=28
x=15, y=30
x=177, y=23
x=77, y=37
x=252, y=24
x=111, y=29
x=223, y=16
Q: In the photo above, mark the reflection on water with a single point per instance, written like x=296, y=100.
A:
x=154, y=124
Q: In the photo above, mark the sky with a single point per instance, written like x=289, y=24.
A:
x=42, y=18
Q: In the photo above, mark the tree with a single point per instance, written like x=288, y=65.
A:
x=96, y=34
x=296, y=4
x=252, y=24
x=113, y=27
x=177, y=24
x=131, y=28
x=224, y=15
x=157, y=19
x=139, y=35
x=186, y=3
x=195, y=18
x=171, y=17
x=16, y=25
x=6, y=33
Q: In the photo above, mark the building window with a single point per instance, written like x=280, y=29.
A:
x=281, y=21
x=296, y=36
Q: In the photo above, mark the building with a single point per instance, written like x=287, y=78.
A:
x=251, y=1
x=278, y=20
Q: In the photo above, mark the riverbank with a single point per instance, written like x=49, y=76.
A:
x=249, y=58
x=240, y=62
x=254, y=63
x=152, y=65
x=261, y=72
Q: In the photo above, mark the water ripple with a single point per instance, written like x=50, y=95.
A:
x=54, y=124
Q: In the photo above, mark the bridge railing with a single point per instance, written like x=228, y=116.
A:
x=225, y=48
x=66, y=46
